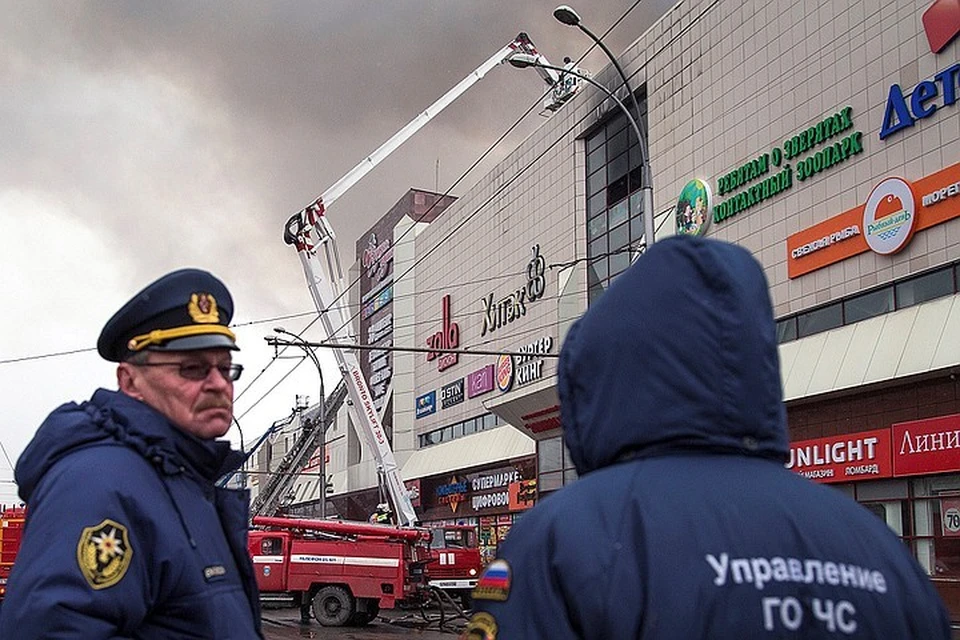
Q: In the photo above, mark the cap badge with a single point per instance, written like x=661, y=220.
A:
x=203, y=308
x=104, y=554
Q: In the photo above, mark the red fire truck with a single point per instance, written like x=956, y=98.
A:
x=11, y=532
x=345, y=572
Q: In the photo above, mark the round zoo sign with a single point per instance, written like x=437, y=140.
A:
x=694, y=208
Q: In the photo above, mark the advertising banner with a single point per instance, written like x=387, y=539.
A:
x=856, y=456
x=451, y=394
x=498, y=489
x=896, y=209
x=926, y=446
x=523, y=494
x=480, y=381
x=426, y=404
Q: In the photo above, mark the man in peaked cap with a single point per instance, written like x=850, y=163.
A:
x=127, y=533
x=184, y=313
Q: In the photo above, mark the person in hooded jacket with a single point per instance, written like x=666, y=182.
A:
x=684, y=522
x=127, y=533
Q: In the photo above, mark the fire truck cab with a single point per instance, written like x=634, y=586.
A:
x=455, y=560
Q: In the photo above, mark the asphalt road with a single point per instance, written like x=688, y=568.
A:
x=283, y=624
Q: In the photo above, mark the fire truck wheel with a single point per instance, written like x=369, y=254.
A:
x=365, y=615
x=333, y=606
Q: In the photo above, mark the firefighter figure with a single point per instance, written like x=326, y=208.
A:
x=381, y=515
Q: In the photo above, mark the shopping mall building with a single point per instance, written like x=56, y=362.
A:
x=825, y=139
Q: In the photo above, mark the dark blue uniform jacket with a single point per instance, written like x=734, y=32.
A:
x=126, y=533
x=684, y=522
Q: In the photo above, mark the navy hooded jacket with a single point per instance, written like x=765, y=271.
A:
x=685, y=522
x=126, y=534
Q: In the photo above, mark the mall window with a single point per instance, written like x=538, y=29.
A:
x=926, y=287
x=901, y=294
x=554, y=467
x=458, y=430
x=818, y=320
x=923, y=513
x=787, y=329
x=868, y=305
x=614, y=206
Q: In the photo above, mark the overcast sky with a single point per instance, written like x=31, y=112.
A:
x=141, y=137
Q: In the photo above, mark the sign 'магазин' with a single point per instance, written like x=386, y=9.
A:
x=843, y=458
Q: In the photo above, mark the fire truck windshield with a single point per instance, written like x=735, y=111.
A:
x=459, y=537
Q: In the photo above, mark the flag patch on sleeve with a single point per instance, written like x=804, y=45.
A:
x=494, y=584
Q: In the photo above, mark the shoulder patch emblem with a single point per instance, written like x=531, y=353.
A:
x=104, y=554
x=482, y=626
x=494, y=584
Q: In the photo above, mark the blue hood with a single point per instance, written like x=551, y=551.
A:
x=111, y=418
x=679, y=354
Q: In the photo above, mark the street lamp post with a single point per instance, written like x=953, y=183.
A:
x=305, y=346
x=568, y=16
x=524, y=60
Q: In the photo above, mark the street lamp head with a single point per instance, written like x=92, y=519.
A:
x=567, y=15
x=279, y=330
x=523, y=60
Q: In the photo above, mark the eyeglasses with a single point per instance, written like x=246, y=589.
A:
x=200, y=370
